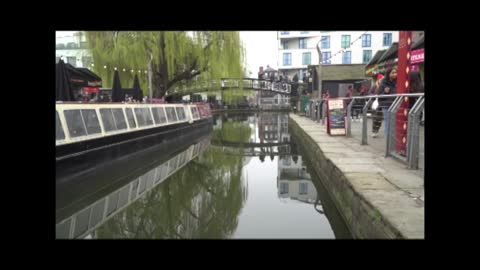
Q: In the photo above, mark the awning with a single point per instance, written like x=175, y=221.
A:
x=83, y=77
x=419, y=44
x=391, y=53
x=372, y=64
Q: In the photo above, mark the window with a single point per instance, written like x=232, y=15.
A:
x=59, y=135
x=366, y=40
x=143, y=116
x=72, y=60
x=326, y=57
x=367, y=55
x=304, y=32
x=156, y=116
x=171, y=116
x=194, y=112
x=112, y=203
x=283, y=188
x=81, y=222
x=325, y=42
x=181, y=113
x=284, y=33
x=133, y=194
x=130, y=118
x=345, y=41
x=307, y=58
x=107, y=120
x=287, y=59
x=91, y=121
x=119, y=119
x=284, y=44
x=347, y=57
x=83, y=45
x=143, y=184
x=97, y=212
x=60, y=46
x=302, y=43
x=86, y=61
x=75, y=124
x=387, y=39
x=303, y=187
x=161, y=115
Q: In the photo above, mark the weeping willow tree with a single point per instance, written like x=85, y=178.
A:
x=176, y=57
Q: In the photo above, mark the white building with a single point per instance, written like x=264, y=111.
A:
x=71, y=46
x=298, y=49
x=294, y=182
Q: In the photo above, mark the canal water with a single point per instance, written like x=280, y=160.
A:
x=245, y=179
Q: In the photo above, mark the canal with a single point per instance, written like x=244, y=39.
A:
x=246, y=178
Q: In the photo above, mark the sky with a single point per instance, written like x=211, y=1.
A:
x=261, y=49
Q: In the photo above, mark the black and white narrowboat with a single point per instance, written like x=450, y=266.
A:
x=91, y=134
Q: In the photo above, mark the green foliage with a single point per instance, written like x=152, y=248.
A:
x=213, y=54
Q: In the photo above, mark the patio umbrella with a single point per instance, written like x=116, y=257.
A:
x=137, y=92
x=118, y=95
x=64, y=90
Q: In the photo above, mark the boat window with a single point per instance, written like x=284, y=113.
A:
x=123, y=196
x=194, y=112
x=119, y=118
x=133, y=194
x=81, y=222
x=97, y=212
x=160, y=113
x=112, y=203
x=91, y=121
x=62, y=230
x=181, y=113
x=130, y=118
x=163, y=117
x=143, y=116
x=75, y=124
x=59, y=135
x=143, y=185
x=171, y=116
x=148, y=116
x=156, y=117
x=107, y=120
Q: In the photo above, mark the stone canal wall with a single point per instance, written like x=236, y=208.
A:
x=377, y=197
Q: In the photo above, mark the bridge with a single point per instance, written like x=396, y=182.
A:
x=251, y=149
x=231, y=84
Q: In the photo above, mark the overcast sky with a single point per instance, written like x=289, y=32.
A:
x=261, y=49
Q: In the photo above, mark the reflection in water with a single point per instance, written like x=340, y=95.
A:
x=294, y=182
x=222, y=187
x=89, y=218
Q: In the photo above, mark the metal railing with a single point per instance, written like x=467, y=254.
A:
x=317, y=112
x=225, y=84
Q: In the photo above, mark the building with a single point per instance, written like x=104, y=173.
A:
x=294, y=181
x=298, y=49
x=71, y=46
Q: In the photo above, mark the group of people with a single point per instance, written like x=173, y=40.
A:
x=387, y=85
x=384, y=85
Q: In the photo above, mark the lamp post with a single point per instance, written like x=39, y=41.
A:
x=319, y=71
x=150, y=76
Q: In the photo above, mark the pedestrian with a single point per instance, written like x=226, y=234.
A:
x=388, y=86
